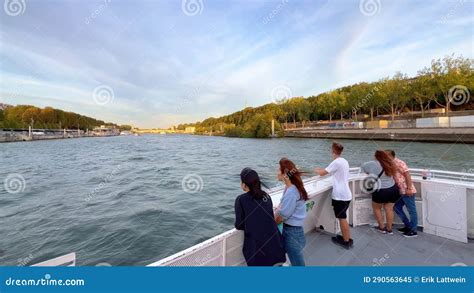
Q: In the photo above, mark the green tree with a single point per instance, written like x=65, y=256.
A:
x=396, y=93
x=423, y=89
x=328, y=103
x=355, y=99
x=297, y=108
x=386, y=96
x=449, y=72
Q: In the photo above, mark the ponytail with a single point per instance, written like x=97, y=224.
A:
x=250, y=178
x=288, y=168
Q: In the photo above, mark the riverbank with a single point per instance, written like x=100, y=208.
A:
x=448, y=135
x=459, y=134
x=8, y=137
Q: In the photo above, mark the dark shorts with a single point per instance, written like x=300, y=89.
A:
x=340, y=208
x=386, y=195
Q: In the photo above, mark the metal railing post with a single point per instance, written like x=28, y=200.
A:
x=224, y=251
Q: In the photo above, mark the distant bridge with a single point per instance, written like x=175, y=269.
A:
x=157, y=131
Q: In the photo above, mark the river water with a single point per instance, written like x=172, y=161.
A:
x=132, y=200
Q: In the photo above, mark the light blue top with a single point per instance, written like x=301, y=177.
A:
x=292, y=208
x=374, y=168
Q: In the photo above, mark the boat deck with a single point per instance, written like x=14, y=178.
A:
x=372, y=248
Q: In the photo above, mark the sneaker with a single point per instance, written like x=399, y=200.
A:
x=351, y=241
x=341, y=242
x=381, y=230
x=410, y=234
x=404, y=230
x=389, y=232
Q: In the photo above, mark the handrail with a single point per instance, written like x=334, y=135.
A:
x=354, y=171
x=463, y=176
x=201, y=245
x=433, y=174
x=70, y=259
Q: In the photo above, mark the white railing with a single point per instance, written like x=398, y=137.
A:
x=198, y=254
x=68, y=260
x=222, y=250
x=225, y=249
x=432, y=174
x=448, y=175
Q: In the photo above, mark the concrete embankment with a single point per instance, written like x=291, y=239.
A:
x=16, y=138
x=461, y=134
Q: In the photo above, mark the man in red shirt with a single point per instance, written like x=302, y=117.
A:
x=407, y=197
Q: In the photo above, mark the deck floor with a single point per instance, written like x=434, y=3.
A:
x=371, y=248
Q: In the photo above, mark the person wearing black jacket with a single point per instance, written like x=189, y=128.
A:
x=263, y=245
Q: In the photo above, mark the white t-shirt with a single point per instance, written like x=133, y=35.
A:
x=339, y=169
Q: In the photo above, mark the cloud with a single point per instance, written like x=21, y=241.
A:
x=166, y=67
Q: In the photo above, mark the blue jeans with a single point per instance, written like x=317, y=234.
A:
x=294, y=242
x=409, y=202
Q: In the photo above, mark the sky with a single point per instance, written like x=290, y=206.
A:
x=161, y=63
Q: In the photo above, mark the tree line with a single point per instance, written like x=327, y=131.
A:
x=447, y=83
x=23, y=116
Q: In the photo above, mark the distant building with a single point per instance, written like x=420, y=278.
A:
x=190, y=129
x=105, y=131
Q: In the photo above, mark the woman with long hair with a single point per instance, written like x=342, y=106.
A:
x=263, y=245
x=292, y=211
x=383, y=188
